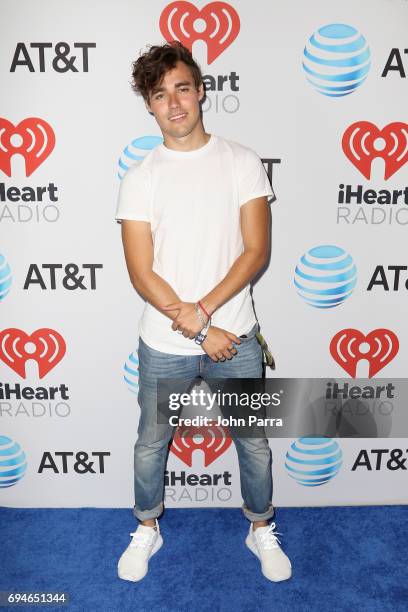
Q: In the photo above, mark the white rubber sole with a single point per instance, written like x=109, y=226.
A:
x=249, y=542
x=158, y=544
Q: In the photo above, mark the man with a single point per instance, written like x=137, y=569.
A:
x=195, y=231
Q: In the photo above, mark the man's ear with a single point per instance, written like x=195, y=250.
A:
x=147, y=105
x=201, y=92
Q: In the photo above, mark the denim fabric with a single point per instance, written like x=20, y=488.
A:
x=151, y=448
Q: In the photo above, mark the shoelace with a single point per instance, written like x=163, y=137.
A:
x=268, y=539
x=142, y=539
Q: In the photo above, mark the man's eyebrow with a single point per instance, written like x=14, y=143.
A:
x=180, y=84
x=156, y=89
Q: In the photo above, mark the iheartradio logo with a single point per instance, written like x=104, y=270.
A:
x=349, y=346
x=33, y=138
x=217, y=24
x=213, y=440
x=46, y=346
x=363, y=141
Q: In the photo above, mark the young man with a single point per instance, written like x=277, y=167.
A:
x=195, y=231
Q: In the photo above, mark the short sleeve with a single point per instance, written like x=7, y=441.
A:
x=134, y=196
x=253, y=180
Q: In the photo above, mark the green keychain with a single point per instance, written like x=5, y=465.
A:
x=269, y=359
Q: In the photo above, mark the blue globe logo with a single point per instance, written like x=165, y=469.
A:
x=325, y=276
x=313, y=461
x=5, y=277
x=13, y=462
x=336, y=60
x=131, y=372
x=136, y=151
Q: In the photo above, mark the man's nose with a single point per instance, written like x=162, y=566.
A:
x=173, y=100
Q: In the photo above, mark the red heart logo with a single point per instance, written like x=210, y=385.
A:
x=359, y=145
x=38, y=140
x=49, y=349
x=178, y=21
x=214, y=441
x=345, y=348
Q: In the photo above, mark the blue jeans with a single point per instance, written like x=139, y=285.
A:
x=151, y=448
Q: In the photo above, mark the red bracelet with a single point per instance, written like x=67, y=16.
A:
x=203, y=309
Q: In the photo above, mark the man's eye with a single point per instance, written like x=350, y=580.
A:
x=183, y=89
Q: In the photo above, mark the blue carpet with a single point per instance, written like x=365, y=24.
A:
x=343, y=558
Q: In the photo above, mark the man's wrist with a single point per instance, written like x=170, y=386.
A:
x=201, y=315
x=201, y=336
x=207, y=306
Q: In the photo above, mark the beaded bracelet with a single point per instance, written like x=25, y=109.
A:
x=197, y=308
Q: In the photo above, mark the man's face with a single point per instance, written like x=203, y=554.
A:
x=175, y=102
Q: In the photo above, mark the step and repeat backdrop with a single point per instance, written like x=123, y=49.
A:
x=319, y=90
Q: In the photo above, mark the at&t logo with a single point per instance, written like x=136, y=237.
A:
x=5, y=277
x=13, y=464
x=61, y=61
x=336, y=60
x=71, y=278
x=388, y=278
x=131, y=372
x=136, y=151
x=313, y=461
x=80, y=462
x=325, y=276
x=381, y=459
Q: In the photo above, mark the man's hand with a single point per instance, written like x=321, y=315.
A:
x=219, y=344
x=186, y=320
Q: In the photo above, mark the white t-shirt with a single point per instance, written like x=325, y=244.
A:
x=192, y=201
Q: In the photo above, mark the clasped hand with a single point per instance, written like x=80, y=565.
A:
x=187, y=321
x=219, y=343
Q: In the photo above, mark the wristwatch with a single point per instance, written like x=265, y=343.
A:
x=199, y=339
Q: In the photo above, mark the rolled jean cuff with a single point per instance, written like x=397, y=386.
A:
x=253, y=516
x=145, y=515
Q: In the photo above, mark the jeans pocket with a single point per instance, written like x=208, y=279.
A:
x=250, y=335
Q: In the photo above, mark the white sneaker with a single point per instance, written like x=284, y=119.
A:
x=264, y=544
x=134, y=562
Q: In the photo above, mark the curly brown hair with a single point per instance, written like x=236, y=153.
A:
x=149, y=69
